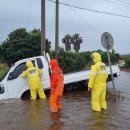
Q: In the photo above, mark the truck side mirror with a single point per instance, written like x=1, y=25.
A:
x=10, y=76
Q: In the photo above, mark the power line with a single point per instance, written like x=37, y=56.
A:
x=84, y=20
x=92, y=10
x=124, y=2
x=117, y=3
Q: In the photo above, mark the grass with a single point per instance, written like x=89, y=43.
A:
x=3, y=70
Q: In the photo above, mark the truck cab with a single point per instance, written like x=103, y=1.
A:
x=13, y=86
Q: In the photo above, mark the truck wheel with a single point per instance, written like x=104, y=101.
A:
x=68, y=88
x=26, y=95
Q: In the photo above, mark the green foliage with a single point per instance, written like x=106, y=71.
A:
x=71, y=62
x=21, y=44
x=113, y=56
x=127, y=63
x=67, y=41
x=3, y=71
x=1, y=55
x=75, y=39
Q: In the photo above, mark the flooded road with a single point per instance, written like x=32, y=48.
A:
x=76, y=114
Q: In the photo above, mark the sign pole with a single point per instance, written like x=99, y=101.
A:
x=107, y=42
x=108, y=55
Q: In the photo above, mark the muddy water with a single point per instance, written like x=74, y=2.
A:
x=76, y=114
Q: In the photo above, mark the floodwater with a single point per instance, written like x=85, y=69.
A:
x=17, y=114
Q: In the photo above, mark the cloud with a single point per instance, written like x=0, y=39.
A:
x=26, y=13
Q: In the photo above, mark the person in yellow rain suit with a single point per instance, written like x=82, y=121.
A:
x=34, y=82
x=97, y=83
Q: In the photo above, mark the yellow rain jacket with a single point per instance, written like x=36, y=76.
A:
x=97, y=82
x=34, y=82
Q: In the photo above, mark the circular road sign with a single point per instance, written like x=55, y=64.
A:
x=107, y=41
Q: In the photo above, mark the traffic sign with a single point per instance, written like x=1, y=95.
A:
x=107, y=41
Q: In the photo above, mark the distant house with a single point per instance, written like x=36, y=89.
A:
x=124, y=57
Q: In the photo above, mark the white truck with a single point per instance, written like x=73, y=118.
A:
x=13, y=86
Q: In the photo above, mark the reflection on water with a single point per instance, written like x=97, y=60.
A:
x=35, y=112
x=76, y=114
x=56, y=121
x=99, y=120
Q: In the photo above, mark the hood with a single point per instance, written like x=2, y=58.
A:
x=96, y=57
x=54, y=63
x=29, y=64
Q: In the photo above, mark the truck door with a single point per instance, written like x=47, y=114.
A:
x=14, y=82
x=43, y=65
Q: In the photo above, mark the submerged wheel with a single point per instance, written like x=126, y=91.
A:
x=26, y=95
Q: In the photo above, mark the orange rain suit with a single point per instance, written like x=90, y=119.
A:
x=34, y=81
x=57, y=86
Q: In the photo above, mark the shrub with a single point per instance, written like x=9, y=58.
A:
x=127, y=63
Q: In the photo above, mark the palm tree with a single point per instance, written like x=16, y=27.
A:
x=76, y=41
x=67, y=41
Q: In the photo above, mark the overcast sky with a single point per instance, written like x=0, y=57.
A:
x=90, y=25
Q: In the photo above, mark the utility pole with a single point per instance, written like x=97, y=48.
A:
x=43, y=41
x=57, y=29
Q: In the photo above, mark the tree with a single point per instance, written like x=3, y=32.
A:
x=67, y=41
x=113, y=51
x=113, y=56
x=1, y=55
x=22, y=44
x=36, y=33
x=71, y=62
x=127, y=63
x=76, y=41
